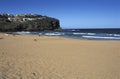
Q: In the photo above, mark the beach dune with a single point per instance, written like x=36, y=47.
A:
x=42, y=57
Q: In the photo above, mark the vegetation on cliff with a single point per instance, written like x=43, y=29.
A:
x=27, y=22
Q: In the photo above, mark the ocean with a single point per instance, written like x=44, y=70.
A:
x=90, y=34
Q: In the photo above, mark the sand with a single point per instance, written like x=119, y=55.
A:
x=40, y=57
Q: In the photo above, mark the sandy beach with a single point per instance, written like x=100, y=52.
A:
x=42, y=57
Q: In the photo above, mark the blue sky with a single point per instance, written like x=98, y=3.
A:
x=71, y=13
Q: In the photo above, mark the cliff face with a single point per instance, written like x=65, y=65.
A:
x=27, y=22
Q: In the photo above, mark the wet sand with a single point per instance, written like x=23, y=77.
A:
x=40, y=57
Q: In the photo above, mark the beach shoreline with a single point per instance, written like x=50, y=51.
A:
x=45, y=57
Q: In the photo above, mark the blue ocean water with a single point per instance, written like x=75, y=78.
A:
x=97, y=34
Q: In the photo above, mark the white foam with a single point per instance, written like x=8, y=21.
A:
x=98, y=37
x=76, y=33
x=23, y=32
x=116, y=34
x=40, y=33
x=91, y=33
x=52, y=34
x=73, y=30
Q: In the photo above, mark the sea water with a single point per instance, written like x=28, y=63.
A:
x=98, y=34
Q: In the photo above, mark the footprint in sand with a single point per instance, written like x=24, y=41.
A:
x=1, y=38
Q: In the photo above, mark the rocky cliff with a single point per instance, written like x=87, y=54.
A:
x=27, y=22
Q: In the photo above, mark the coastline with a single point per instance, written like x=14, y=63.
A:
x=31, y=56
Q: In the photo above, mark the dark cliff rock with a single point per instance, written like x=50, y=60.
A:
x=27, y=22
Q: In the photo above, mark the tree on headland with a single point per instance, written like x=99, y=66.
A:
x=28, y=22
